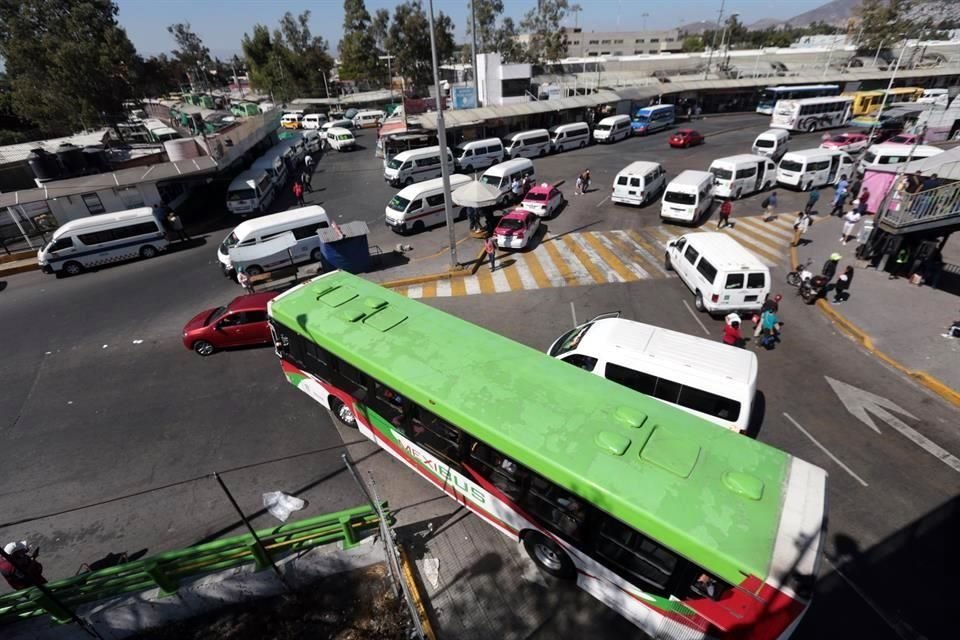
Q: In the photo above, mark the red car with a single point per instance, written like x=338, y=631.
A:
x=686, y=138
x=240, y=323
x=851, y=142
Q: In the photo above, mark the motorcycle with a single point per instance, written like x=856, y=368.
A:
x=813, y=288
x=801, y=274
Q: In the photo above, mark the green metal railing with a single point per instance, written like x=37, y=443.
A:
x=168, y=570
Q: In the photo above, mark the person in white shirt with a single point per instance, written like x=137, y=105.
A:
x=850, y=220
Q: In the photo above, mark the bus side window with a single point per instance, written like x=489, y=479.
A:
x=388, y=403
x=435, y=435
x=634, y=556
x=559, y=510
x=502, y=472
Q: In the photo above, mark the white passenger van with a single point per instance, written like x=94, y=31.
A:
x=340, y=124
x=313, y=121
x=687, y=197
x=101, y=239
x=722, y=275
x=420, y=205
x=612, y=129
x=638, y=183
x=478, y=154
x=368, y=118
x=293, y=149
x=340, y=139
x=312, y=140
x=303, y=222
x=940, y=97
x=250, y=192
x=291, y=120
x=501, y=176
x=772, y=143
x=707, y=378
x=882, y=155
x=575, y=135
x=415, y=165
x=527, y=144
x=273, y=163
x=741, y=175
x=808, y=168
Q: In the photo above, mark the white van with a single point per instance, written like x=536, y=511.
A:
x=940, y=97
x=502, y=175
x=687, y=197
x=809, y=168
x=313, y=121
x=707, y=378
x=415, y=165
x=772, y=143
x=312, y=140
x=420, y=205
x=612, y=129
x=527, y=144
x=638, y=183
x=293, y=149
x=478, y=154
x=102, y=239
x=575, y=135
x=340, y=124
x=291, y=120
x=274, y=164
x=303, y=222
x=340, y=139
x=368, y=118
x=722, y=275
x=882, y=155
x=742, y=174
x=250, y=192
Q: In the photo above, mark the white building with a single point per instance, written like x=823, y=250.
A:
x=503, y=83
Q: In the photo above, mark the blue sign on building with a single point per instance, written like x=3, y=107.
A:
x=463, y=97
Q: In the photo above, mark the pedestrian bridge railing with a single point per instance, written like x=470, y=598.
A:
x=168, y=570
x=924, y=209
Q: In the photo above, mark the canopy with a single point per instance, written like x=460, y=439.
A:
x=476, y=194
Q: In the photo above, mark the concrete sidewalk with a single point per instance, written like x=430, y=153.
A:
x=901, y=320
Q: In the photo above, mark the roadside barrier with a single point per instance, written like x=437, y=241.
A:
x=168, y=570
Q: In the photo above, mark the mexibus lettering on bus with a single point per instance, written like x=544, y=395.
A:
x=683, y=527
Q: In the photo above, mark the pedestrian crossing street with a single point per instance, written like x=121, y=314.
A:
x=600, y=257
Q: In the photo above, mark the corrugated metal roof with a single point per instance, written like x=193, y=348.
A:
x=19, y=152
x=462, y=117
x=112, y=180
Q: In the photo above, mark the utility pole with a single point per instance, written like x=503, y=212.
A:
x=442, y=140
x=713, y=45
x=389, y=58
x=473, y=50
x=886, y=94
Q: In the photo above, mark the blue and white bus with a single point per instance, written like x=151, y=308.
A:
x=770, y=95
x=650, y=119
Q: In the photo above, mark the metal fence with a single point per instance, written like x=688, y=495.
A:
x=923, y=207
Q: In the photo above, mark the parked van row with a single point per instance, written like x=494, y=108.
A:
x=256, y=188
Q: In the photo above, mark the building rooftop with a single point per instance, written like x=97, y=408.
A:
x=18, y=152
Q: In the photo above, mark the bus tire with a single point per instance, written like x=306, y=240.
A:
x=698, y=302
x=342, y=413
x=811, y=127
x=549, y=556
x=148, y=251
x=73, y=268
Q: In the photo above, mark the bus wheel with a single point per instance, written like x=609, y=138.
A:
x=148, y=252
x=811, y=127
x=342, y=413
x=549, y=556
x=73, y=268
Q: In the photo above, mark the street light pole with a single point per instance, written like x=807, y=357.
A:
x=389, y=58
x=886, y=94
x=713, y=45
x=473, y=50
x=877, y=57
x=442, y=141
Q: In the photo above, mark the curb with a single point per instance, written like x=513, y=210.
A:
x=414, y=586
x=844, y=324
x=17, y=255
x=433, y=277
x=10, y=271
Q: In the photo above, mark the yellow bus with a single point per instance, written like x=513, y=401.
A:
x=868, y=102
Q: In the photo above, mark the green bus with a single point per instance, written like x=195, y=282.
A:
x=687, y=530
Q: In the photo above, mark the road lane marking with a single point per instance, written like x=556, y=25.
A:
x=697, y=318
x=429, y=290
x=604, y=200
x=825, y=450
x=458, y=287
x=768, y=228
x=608, y=257
x=415, y=291
x=637, y=244
x=598, y=268
x=512, y=272
x=500, y=283
x=471, y=285
x=628, y=262
x=443, y=289
x=536, y=270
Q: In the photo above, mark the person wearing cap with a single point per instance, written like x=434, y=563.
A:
x=19, y=567
x=830, y=266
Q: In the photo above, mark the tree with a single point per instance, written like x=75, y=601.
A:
x=68, y=61
x=692, y=44
x=491, y=37
x=157, y=75
x=307, y=59
x=548, y=42
x=358, y=50
x=191, y=53
x=409, y=41
x=380, y=28
x=882, y=22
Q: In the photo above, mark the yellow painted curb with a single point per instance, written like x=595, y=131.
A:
x=414, y=586
x=10, y=271
x=922, y=377
x=17, y=255
x=434, y=277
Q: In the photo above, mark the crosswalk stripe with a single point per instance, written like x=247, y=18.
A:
x=533, y=264
x=484, y=281
x=660, y=235
x=579, y=269
x=607, y=255
x=500, y=283
x=768, y=228
x=510, y=273
x=760, y=238
x=751, y=245
x=567, y=269
x=471, y=285
x=784, y=222
x=553, y=275
x=628, y=253
x=415, y=292
x=599, y=270
x=458, y=287
x=641, y=247
x=429, y=290
x=443, y=289
x=526, y=275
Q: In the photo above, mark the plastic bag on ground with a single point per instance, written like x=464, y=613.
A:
x=281, y=505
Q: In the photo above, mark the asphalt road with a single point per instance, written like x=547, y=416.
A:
x=108, y=441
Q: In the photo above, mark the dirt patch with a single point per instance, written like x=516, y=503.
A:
x=358, y=605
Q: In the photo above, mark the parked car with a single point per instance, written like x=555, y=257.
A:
x=545, y=200
x=686, y=138
x=851, y=142
x=905, y=138
x=515, y=229
x=242, y=322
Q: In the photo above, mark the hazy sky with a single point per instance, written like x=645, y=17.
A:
x=222, y=23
